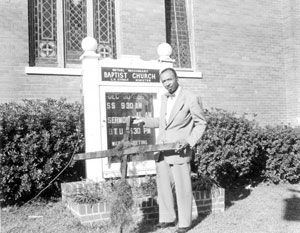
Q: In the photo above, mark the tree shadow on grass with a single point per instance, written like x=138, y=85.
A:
x=235, y=194
x=292, y=207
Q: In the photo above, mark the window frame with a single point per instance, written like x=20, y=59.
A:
x=191, y=35
x=191, y=26
x=34, y=67
x=76, y=71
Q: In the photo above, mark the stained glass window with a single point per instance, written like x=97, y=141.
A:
x=57, y=28
x=75, y=28
x=105, y=27
x=178, y=33
x=45, y=30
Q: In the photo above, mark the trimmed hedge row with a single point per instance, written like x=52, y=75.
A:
x=38, y=139
x=234, y=150
x=282, y=145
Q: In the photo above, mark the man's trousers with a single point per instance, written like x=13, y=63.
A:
x=178, y=176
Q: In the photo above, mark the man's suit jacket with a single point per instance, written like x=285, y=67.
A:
x=186, y=122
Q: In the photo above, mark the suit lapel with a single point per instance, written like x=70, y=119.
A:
x=177, y=106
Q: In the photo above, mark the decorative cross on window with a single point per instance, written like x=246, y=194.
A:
x=105, y=51
x=47, y=49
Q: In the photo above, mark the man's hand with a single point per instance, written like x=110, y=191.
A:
x=182, y=145
x=138, y=120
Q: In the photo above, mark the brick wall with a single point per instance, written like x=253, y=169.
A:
x=142, y=27
x=248, y=51
x=14, y=47
x=145, y=209
x=291, y=46
x=238, y=49
x=141, y=30
x=45, y=86
x=14, y=83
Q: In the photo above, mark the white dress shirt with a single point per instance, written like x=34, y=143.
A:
x=170, y=103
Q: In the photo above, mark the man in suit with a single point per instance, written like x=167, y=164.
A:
x=181, y=121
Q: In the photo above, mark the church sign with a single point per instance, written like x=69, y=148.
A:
x=120, y=74
x=113, y=90
x=117, y=102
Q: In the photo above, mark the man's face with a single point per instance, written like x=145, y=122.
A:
x=169, y=81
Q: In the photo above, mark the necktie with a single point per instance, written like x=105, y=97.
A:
x=170, y=95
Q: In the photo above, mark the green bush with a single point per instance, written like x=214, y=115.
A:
x=37, y=140
x=230, y=151
x=234, y=151
x=282, y=144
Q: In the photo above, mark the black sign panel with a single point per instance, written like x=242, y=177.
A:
x=119, y=106
x=113, y=74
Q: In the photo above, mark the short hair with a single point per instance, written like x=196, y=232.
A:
x=171, y=69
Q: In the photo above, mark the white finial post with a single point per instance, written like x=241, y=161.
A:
x=90, y=86
x=164, y=51
x=89, y=46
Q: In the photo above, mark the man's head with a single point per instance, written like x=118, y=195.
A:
x=169, y=79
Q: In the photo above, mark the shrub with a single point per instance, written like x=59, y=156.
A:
x=121, y=204
x=234, y=151
x=230, y=151
x=282, y=144
x=38, y=139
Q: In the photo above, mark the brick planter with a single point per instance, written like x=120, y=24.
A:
x=146, y=208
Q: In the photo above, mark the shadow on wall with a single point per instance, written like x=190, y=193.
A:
x=292, y=206
x=235, y=194
x=150, y=216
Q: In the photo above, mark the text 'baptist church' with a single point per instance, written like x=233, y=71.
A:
x=129, y=75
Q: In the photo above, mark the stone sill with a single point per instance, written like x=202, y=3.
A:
x=189, y=74
x=53, y=71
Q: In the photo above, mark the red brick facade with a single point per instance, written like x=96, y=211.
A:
x=291, y=55
x=248, y=52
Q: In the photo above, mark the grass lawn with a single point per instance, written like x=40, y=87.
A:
x=262, y=209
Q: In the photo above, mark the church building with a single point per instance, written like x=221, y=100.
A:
x=239, y=55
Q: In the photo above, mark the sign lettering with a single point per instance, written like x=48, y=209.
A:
x=119, y=106
x=129, y=75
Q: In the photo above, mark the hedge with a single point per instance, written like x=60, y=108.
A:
x=38, y=139
x=282, y=145
x=235, y=151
